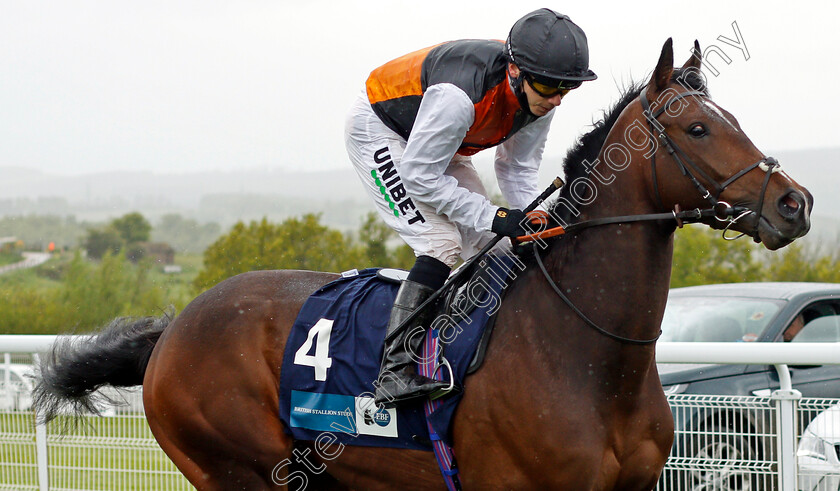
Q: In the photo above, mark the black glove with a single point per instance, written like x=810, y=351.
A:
x=509, y=222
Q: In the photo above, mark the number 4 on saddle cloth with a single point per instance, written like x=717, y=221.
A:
x=334, y=351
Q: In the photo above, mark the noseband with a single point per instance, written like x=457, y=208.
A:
x=724, y=212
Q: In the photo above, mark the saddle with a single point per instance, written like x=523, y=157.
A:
x=334, y=351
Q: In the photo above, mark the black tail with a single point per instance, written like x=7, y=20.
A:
x=75, y=368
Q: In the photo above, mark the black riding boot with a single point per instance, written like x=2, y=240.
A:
x=398, y=378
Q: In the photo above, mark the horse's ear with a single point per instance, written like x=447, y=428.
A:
x=664, y=68
x=696, y=57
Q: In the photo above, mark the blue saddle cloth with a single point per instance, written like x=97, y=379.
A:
x=333, y=354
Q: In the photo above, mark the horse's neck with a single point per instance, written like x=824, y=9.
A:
x=618, y=275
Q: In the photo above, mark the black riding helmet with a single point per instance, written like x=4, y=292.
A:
x=550, y=48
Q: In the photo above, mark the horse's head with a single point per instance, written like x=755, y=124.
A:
x=703, y=159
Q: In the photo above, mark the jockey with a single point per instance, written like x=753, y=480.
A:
x=410, y=136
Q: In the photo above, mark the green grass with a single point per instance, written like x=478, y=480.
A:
x=9, y=258
x=41, y=277
x=106, y=453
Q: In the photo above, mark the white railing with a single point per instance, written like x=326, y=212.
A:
x=26, y=343
x=99, y=453
x=119, y=452
x=731, y=423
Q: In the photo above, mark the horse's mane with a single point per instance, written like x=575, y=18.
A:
x=588, y=146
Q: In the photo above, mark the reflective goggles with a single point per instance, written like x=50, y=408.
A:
x=561, y=87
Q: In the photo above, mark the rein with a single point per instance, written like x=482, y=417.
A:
x=681, y=217
x=583, y=316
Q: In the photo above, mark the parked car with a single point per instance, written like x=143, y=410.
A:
x=818, y=455
x=742, y=312
x=16, y=394
x=752, y=312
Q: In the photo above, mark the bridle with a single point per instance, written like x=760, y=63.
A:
x=720, y=210
x=768, y=164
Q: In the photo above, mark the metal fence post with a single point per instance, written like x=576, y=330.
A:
x=41, y=452
x=42, y=457
x=7, y=379
x=787, y=402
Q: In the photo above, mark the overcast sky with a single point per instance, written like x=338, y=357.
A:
x=168, y=86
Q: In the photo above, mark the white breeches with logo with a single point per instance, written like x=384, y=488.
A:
x=376, y=152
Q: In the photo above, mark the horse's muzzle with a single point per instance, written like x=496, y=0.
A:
x=789, y=220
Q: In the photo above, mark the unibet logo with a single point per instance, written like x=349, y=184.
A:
x=390, y=185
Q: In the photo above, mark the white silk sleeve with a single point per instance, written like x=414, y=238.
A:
x=445, y=115
x=518, y=161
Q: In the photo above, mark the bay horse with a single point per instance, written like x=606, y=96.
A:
x=556, y=404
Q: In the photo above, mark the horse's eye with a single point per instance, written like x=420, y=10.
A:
x=697, y=130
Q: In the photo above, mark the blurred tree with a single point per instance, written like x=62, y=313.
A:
x=403, y=257
x=132, y=228
x=294, y=244
x=798, y=262
x=86, y=296
x=373, y=236
x=101, y=241
x=130, y=231
x=702, y=257
x=93, y=294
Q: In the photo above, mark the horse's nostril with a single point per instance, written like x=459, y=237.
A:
x=790, y=204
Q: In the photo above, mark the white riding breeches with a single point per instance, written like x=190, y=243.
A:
x=376, y=153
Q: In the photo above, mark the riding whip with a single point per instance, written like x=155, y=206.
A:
x=556, y=184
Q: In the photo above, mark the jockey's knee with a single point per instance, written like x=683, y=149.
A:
x=444, y=249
